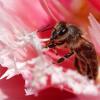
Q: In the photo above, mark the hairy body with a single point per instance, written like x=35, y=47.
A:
x=71, y=36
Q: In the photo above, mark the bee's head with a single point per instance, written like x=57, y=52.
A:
x=59, y=30
x=67, y=32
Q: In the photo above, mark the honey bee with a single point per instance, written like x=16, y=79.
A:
x=70, y=36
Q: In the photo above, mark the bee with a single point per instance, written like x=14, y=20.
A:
x=70, y=36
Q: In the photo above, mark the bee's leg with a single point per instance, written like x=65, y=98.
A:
x=89, y=72
x=80, y=66
x=92, y=70
x=84, y=67
x=65, y=56
x=68, y=55
x=76, y=64
x=60, y=60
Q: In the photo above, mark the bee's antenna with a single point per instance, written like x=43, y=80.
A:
x=45, y=28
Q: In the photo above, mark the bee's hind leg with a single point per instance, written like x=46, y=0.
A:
x=76, y=64
x=80, y=66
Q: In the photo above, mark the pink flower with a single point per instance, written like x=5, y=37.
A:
x=94, y=30
x=2, y=95
x=21, y=50
x=96, y=4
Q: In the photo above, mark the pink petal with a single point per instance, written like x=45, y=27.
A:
x=95, y=3
x=94, y=32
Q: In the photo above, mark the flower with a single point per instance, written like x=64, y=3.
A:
x=2, y=95
x=20, y=43
x=94, y=32
x=96, y=4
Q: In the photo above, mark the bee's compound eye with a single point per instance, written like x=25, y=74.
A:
x=58, y=32
x=63, y=31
